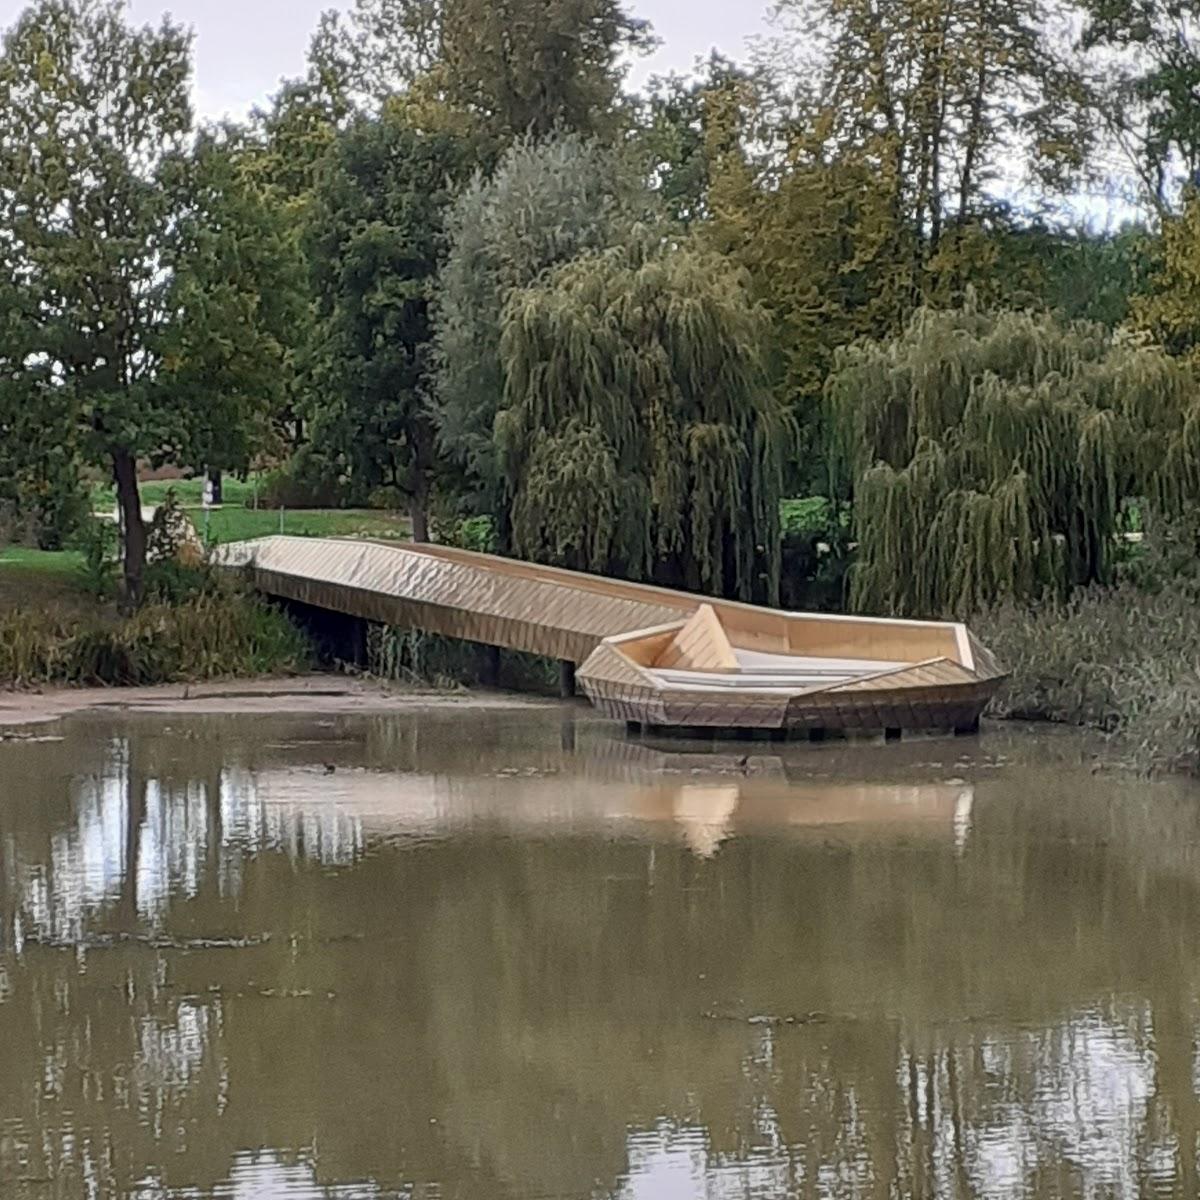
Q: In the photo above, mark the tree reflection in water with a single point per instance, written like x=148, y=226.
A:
x=481, y=959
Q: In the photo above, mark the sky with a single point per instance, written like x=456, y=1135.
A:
x=245, y=47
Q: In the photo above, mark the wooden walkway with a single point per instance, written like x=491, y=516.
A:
x=771, y=670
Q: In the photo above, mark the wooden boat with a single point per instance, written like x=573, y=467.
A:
x=648, y=655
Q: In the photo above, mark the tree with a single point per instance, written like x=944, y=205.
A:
x=515, y=67
x=376, y=245
x=106, y=227
x=1170, y=309
x=236, y=296
x=639, y=435
x=1139, y=64
x=536, y=66
x=942, y=101
x=685, y=122
x=547, y=203
x=992, y=455
x=360, y=57
x=41, y=497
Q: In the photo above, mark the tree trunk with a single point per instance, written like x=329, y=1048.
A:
x=215, y=478
x=419, y=509
x=421, y=464
x=129, y=502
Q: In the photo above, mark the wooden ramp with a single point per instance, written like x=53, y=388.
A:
x=649, y=655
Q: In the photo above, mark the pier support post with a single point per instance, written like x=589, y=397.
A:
x=566, y=679
x=489, y=670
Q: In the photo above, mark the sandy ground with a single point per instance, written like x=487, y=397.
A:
x=325, y=694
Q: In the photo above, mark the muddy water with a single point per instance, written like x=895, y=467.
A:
x=502, y=955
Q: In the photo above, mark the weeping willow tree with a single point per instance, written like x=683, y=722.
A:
x=638, y=434
x=995, y=455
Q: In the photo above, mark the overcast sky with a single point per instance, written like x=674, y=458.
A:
x=244, y=47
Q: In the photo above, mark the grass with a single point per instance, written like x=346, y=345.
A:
x=39, y=578
x=189, y=491
x=219, y=634
x=235, y=524
x=20, y=560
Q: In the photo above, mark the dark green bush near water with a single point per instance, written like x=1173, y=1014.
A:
x=214, y=633
x=1124, y=660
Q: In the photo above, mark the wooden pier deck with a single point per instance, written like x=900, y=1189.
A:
x=648, y=655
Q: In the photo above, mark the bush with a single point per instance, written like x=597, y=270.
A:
x=1122, y=660
x=310, y=480
x=815, y=554
x=98, y=541
x=214, y=634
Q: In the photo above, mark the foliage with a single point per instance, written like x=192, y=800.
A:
x=210, y=636
x=938, y=99
x=97, y=539
x=1120, y=659
x=639, y=437
x=514, y=67
x=1139, y=65
x=1080, y=274
x=427, y=660
x=144, y=286
x=990, y=456
x=1168, y=311
x=376, y=246
x=236, y=298
x=673, y=134
x=469, y=533
x=815, y=554
x=310, y=478
x=546, y=203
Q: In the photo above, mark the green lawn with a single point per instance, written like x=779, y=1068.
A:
x=64, y=563
x=235, y=524
x=189, y=491
x=38, y=577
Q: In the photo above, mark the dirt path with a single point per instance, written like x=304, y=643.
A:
x=326, y=694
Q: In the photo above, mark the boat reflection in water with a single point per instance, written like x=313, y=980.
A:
x=482, y=956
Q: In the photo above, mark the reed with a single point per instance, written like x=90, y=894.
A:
x=1123, y=660
x=211, y=635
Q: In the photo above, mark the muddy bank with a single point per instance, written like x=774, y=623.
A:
x=326, y=694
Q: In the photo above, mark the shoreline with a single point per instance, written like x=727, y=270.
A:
x=325, y=694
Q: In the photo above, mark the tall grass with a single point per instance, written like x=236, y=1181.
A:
x=428, y=660
x=1123, y=660
x=210, y=635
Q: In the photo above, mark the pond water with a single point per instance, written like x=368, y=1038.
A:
x=513, y=954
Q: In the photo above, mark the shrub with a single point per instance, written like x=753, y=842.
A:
x=98, y=540
x=213, y=634
x=1122, y=660
x=815, y=553
x=309, y=480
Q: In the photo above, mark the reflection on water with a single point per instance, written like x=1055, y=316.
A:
x=485, y=955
